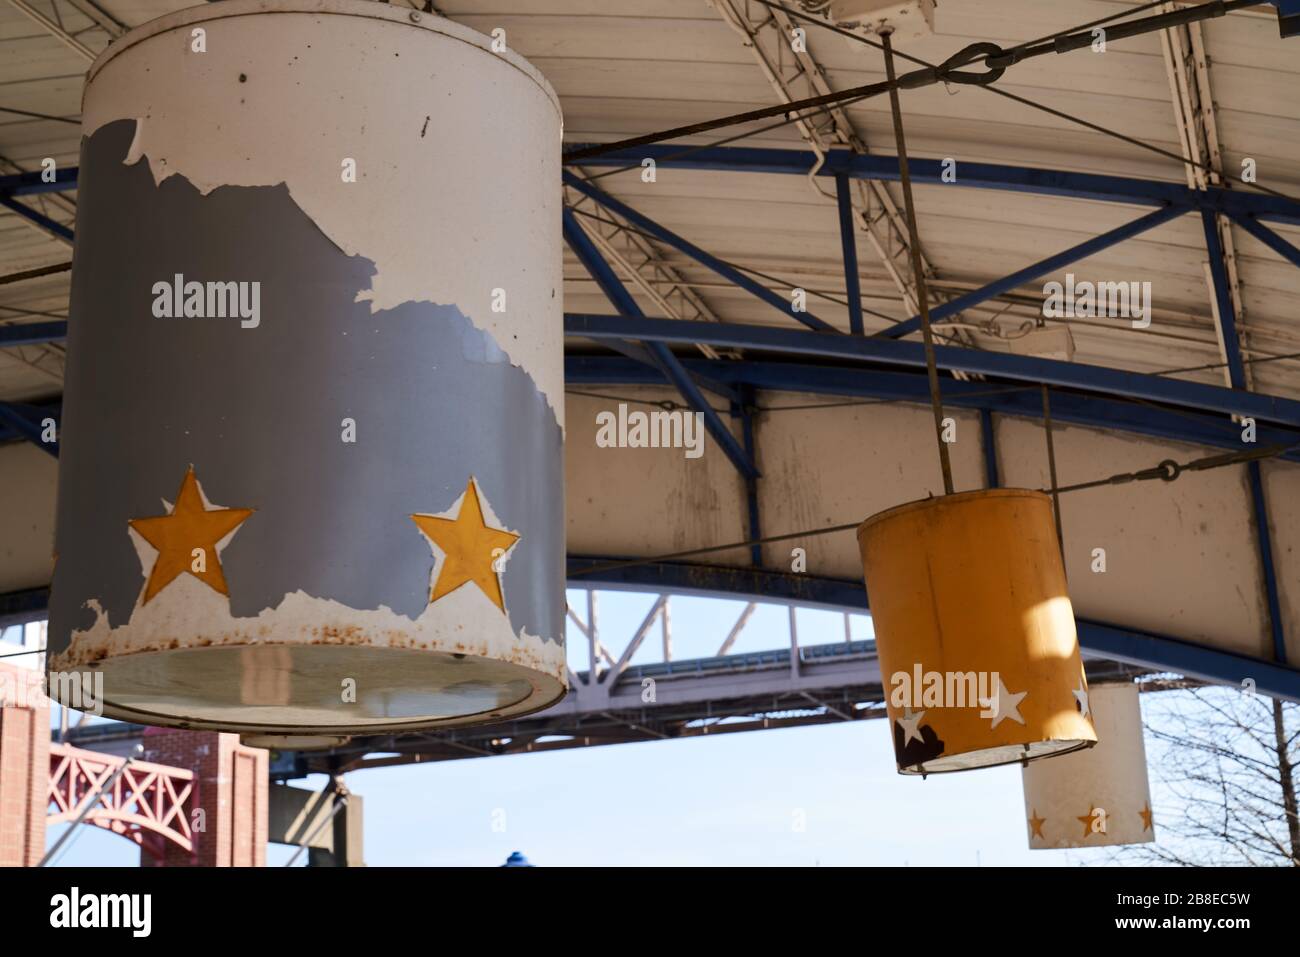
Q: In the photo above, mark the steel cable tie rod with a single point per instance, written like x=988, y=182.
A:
x=947, y=71
x=1166, y=471
x=992, y=56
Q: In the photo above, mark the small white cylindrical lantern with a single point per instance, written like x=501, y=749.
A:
x=1099, y=797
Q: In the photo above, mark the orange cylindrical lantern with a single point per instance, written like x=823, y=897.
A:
x=975, y=631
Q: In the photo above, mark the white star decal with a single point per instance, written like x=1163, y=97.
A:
x=910, y=723
x=1003, y=704
x=1081, y=695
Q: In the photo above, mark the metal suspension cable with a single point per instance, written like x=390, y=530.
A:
x=1210, y=366
x=1166, y=471
x=819, y=111
x=1051, y=469
x=41, y=116
x=340, y=800
x=918, y=270
x=95, y=800
x=688, y=150
x=991, y=55
x=1101, y=21
x=36, y=273
x=1133, y=141
x=947, y=71
x=1170, y=470
x=671, y=405
x=1080, y=37
x=1033, y=104
x=995, y=57
x=810, y=113
x=19, y=654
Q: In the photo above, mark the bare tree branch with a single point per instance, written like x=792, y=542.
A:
x=1226, y=763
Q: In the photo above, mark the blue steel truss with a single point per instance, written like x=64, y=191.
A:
x=878, y=366
x=1117, y=643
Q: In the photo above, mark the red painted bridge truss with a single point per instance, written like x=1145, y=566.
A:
x=148, y=803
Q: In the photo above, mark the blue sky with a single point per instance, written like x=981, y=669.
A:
x=730, y=800
x=822, y=795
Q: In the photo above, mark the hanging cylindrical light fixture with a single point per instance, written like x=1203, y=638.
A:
x=1099, y=797
x=311, y=470
x=974, y=628
x=975, y=633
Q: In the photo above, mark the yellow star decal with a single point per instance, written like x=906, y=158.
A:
x=1036, y=825
x=187, y=538
x=471, y=548
x=1089, y=819
x=1146, y=816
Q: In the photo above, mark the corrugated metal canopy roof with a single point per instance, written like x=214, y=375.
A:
x=627, y=69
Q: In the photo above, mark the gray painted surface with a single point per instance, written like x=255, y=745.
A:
x=257, y=411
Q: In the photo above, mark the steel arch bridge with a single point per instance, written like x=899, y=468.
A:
x=146, y=803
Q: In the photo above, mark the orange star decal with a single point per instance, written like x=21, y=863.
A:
x=470, y=547
x=1036, y=825
x=1094, y=822
x=187, y=539
x=1146, y=816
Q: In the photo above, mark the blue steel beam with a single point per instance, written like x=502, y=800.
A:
x=1114, y=642
x=720, y=581
x=34, y=413
x=1237, y=376
x=849, y=245
x=1288, y=17
x=32, y=334
x=1095, y=411
x=1097, y=379
x=1111, y=641
x=1149, y=650
x=1269, y=238
x=36, y=216
x=19, y=607
x=699, y=255
x=26, y=421
x=1223, y=299
x=668, y=363
x=1189, y=659
x=29, y=184
x=744, y=409
x=1039, y=269
x=1018, y=179
x=1276, y=630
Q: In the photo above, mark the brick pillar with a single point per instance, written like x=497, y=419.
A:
x=24, y=766
x=232, y=792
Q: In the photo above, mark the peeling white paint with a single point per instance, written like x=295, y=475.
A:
x=447, y=214
x=462, y=622
x=188, y=614
x=459, y=623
